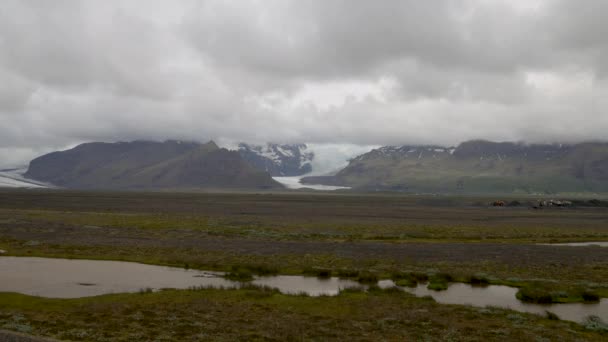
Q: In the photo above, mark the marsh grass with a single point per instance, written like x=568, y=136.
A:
x=322, y=273
x=590, y=296
x=261, y=291
x=439, y=281
x=366, y=277
x=406, y=282
x=347, y=273
x=145, y=290
x=245, y=273
x=549, y=292
x=478, y=279
x=409, y=279
x=259, y=313
x=240, y=274
x=438, y=286
x=353, y=289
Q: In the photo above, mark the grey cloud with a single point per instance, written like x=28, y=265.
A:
x=346, y=38
x=311, y=39
x=14, y=92
x=66, y=45
x=331, y=71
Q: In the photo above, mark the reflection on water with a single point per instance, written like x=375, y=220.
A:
x=504, y=297
x=310, y=285
x=578, y=244
x=65, y=278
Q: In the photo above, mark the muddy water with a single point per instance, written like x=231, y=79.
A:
x=310, y=285
x=504, y=297
x=578, y=244
x=66, y=278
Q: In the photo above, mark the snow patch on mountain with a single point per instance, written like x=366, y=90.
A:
x=279, y=160
x=408, y=151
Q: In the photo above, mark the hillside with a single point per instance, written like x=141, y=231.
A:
x=278, y=160
x=479, y=167
x=148, y=165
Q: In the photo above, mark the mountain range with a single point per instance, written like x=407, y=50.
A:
x=478, y=167
x=475, y=166
x=148, y=165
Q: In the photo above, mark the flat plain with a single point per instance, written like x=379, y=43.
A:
x=368, y=235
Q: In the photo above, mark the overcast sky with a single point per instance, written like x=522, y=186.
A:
x=317, y=71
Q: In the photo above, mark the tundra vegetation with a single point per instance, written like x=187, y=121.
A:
x=262, y=314
x=364, y=237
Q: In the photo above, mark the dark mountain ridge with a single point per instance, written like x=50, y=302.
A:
x=479, y=166
x=148, y=165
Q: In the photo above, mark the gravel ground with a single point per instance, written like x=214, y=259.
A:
x=509, y=254
x=9, y=336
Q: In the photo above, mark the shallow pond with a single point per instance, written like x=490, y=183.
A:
x=68, y=278
x=578, y=244
x=504, y=297
x=72, y=278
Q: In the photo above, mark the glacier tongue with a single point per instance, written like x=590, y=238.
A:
x=294, y=183
x=13, y=178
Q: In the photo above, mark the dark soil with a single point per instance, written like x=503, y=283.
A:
x=511, y=254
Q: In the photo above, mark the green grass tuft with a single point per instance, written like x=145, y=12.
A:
x=367, y=278
x=439, y=281
x=318, y=272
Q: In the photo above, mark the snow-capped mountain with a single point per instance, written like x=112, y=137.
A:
x=478, y=166
x=407, y=151
x=279, y=160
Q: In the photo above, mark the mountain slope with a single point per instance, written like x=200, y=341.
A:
x=479, y=166
x=148, y=165
x=278, y=160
